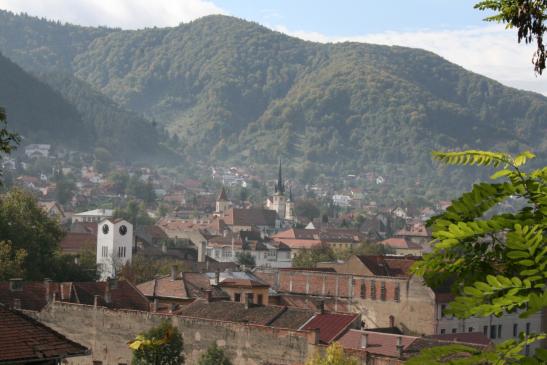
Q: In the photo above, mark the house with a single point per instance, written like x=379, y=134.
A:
x=266, y=252
x=298, y=239
x=387, y=294
x=341, y=200
x=257, y=219
x=34, y=296
x=395, y=346
x=53, y=210
x=416, y=232
x=24, y=340
x=37, y=150
x=403, y=246
x=329, y=326
x=95, y=215
x=75, y=243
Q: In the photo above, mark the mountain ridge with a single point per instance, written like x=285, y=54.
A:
x=234, y=90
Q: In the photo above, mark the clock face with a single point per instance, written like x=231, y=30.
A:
x=105, y=229
x=123, y=230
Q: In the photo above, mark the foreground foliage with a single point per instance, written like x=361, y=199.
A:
x=528, y=17
x=161, y=345
x=491, y=242
x=334, y=355
x=214, y=356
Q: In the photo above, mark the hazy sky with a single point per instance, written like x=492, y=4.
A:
x=450, y=28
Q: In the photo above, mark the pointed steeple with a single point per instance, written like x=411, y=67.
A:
x=222, y=196
x=280, y=186
x=290, y=193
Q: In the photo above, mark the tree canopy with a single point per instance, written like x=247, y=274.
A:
x=214, y=356
x=161, y=345
x=492, y=245
x=528, y=16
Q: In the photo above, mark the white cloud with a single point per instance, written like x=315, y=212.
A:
x=126, y=14
x=489, y=50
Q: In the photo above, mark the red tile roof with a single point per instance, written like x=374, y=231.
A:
x=123, y=295
x=75, y=242
x=378, y=343
x=250, y=217
x=185, y=286
x=32, y=295
x=23, y=339
x=330, y=325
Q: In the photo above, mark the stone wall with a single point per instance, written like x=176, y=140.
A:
x=107, y=332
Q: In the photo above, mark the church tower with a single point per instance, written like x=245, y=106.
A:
x=115, y=242
x=223, y=204
x=289, y=211
x=279, y=200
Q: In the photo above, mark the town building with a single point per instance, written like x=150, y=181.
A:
x=115, y=244
x=24, y=340
x=386, y=294
x=95, y=215
x=278, y=202
x=37, y=150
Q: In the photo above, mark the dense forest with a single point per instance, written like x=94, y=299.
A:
x=236, y=91
x=60, y=109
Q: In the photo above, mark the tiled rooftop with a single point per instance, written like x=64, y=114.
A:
x=23, y=339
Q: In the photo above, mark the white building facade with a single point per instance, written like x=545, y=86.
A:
x=115, y=242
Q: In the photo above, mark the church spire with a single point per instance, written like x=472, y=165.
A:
x=280, y=186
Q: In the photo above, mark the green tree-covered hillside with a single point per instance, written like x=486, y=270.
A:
x=235, y=90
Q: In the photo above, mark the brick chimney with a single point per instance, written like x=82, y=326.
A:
x=209, y=295
x=400, y=346
x=173, y=272
x=321, y=306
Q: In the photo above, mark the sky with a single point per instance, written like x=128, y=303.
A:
x=450, y=28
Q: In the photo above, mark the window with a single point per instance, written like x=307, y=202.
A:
x=499, y=331
x=373, y=290
x=104, y=251
x=443, y=331
x=454, y=330
x=383, y=291
x=121, y=251
x=237, y=297
x=397, y=293
x=493, y=332
x=515, y=330
x=250, y=298
x=391, y=321
x=259, y=299
x=363, y=291
x=485, y=330
x=470, y=329
x=443, y=309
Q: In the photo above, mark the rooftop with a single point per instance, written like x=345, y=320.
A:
x=23, y=339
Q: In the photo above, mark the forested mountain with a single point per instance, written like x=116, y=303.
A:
x=69, y=112
x=232, y=89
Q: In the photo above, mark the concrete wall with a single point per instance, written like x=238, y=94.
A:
x=107, y=332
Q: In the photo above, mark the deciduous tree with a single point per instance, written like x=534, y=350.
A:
x=497, y=260
x=161, y=345
x=214, y=356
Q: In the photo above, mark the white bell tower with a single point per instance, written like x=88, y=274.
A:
x=115, y=242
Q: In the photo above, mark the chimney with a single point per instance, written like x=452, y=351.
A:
x=47, y=283
x=364, y=340
x=202, y=249
x=209, y=294
x=173, y=272
x=400, y=346
x=217, y=277
x=321, y=306
x=17, y=303
x=96, y=301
